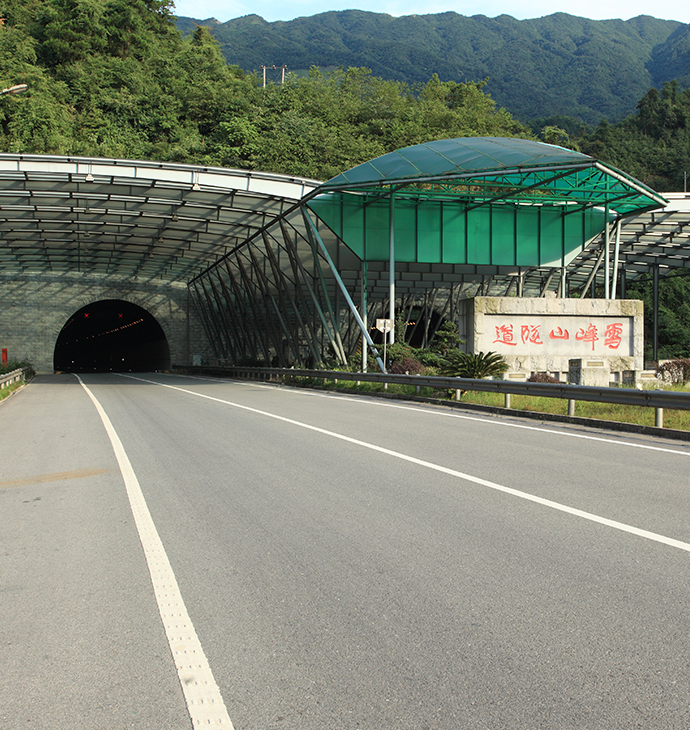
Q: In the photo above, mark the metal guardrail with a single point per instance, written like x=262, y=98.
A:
x=13, y=377
x=657, y=399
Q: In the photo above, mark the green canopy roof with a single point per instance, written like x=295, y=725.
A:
x=478, y=201
x=501, y=168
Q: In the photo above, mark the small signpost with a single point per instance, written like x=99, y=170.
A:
x=385, y=326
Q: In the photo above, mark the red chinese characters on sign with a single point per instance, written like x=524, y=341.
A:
x=587, y=335
x=559, y=334
x=612, y=335
x=530, y=333
x=504, y=335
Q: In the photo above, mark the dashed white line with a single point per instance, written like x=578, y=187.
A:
x=204, y=702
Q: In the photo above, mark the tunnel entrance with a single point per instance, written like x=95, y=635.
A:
x=111, y=335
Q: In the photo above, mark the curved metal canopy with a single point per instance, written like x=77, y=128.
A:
x=503, y=169
x=130, y=218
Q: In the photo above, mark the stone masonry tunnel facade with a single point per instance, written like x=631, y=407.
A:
x=34, y=309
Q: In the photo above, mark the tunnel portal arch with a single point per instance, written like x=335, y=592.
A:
x=111, y=335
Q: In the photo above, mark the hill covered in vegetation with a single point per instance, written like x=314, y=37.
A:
x=558, y=64
x=653, y=144
x=115, y=78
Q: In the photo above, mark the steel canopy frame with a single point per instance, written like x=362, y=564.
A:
x=515, y=168
x=276, y=284
x=131, y=218
x=479, y=201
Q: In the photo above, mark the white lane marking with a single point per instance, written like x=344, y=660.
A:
x=204, y=702
x=444, y=470
x=363, y=399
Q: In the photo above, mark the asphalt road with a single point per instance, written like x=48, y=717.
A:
x=345, y=562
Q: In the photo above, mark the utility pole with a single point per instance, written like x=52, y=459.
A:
x=282, y=72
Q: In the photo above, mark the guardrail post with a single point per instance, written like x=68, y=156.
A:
x=572, y=393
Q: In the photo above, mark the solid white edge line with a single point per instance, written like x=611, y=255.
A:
x=202, y=695
x=591, y=517
x=417, y=409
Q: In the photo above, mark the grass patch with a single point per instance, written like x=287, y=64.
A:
x=640, y=415
x=7, y=390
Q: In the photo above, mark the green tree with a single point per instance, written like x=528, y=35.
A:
x=653, y=144
x=674, y=315
x=114, y=78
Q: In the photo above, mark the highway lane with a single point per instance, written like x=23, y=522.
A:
x=333, y=586
x=82, y=641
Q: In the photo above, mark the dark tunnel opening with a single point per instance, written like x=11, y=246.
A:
x=111, y=336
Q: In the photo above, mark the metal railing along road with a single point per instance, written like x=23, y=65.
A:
x=657, y=399
x=9, y=378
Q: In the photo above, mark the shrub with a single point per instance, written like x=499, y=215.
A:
x=428, y=358
x=542, y=378
x=674, y=371
x=446, y=339
x=407, y=364
x=15, y=365
x=475, y=365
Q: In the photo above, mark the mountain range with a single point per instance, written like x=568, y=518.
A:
x=556, y=65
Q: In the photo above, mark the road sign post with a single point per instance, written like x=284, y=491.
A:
x=384, y=326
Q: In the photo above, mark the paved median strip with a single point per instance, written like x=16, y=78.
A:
x=204, y=702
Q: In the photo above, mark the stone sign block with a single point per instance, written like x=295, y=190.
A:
x=544, y=335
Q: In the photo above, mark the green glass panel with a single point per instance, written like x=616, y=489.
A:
x=503, y=235
x=454, y=242
x=478, y=242
x=527, y=235
x=551, y=237
x=352, y=230
x=573, y=235
x=378, y=231
x=405, y=230
x=429, y=232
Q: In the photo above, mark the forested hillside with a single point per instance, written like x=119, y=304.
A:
x=116, y=78
x=653, y=144
x=558, y=64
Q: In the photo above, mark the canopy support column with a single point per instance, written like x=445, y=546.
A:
x=343, y=289
x=655, y=312
x=616, y=252
x=365, y=267
x=607, y=258
x=391, y=272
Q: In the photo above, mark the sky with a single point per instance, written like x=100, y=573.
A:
x=288, y=9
